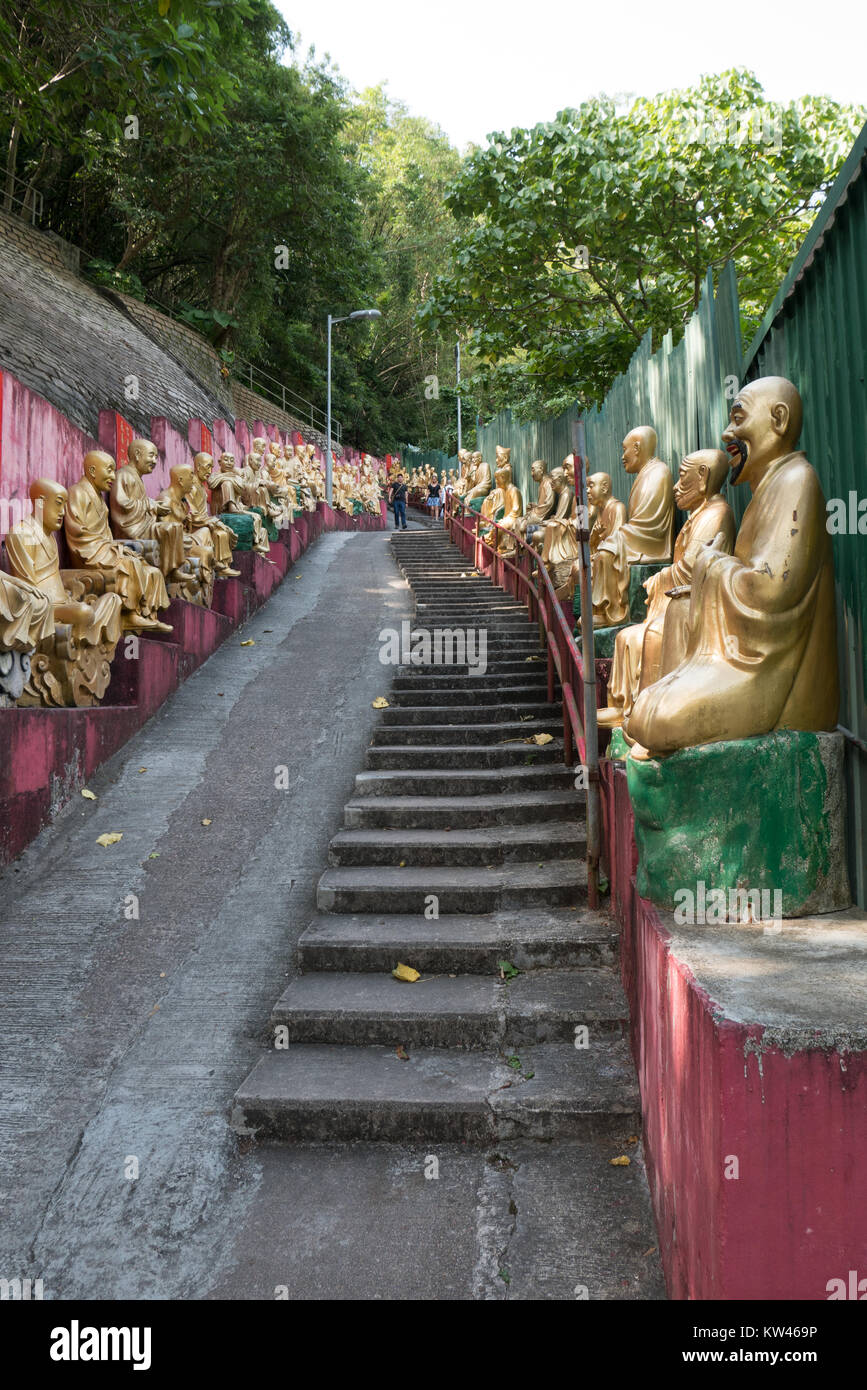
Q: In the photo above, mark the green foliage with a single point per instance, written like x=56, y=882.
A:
x=252, y=193
x=656, y=194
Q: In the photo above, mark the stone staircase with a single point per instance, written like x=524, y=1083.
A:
x=462, y=848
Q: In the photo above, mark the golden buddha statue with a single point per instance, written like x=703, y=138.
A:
x=26, y=620
x=72, y=667
x=256, y=485
x=141, y=586
x=645, y=536
x=556, y=540
x=507, y=501
x=540, y=510
x=762, y=645
x=638, y=648
x=227, y=489
x=137, y=517
x=222, y=538
x=175, y=499
x=608, y=513
x=481, y=484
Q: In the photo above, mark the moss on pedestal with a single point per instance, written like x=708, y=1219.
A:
x=242, y=525
x=755, y=814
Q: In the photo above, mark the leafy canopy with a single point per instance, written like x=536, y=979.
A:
x=656, y=193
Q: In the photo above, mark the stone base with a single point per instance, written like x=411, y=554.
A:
x=751, y=1050
x=14, y=675
x=604, y=639
x=763, y=815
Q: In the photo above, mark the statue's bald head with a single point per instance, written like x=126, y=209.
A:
x=43, y=488
x=715, y=463
x=764, y=425
x=99, y=468
x=782, y=399
x=142, y=453
x=181, y=475
x=639, y=446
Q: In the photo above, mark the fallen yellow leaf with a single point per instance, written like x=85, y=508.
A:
x=537, y=738
x=379, y=703
x=109, y=839
x=206, y=822
x=621, y=1162
x=86, y=792
x=406, y=972
x=249, y=643
x=142, y=769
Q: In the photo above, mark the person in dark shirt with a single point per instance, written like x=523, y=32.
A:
x=398, y=501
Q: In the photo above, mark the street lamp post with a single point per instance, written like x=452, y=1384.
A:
x=359, y=314
x=458, y=373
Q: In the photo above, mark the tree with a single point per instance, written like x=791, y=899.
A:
x=73, y=69
x=583, y=233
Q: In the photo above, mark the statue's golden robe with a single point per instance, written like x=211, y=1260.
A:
x=33, y=556
x=141, y=586
x=638, y=647
x=135, y=516
x=645, y=536
x=762, y=646
x=200, y=510
x=26, y=615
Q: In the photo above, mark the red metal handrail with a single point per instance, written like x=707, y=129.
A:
x=516, y=576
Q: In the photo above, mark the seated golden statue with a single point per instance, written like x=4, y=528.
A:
x=222, y=537
x=545, y=502
x=228, y=493
x=137, y=517
x=72, y=666
x=762, y=645
x=175, y=500
x=481, y=479
x=645, y=536
x=556, y=540
x=26, y=620
x=505, y=505
x=92, y=546
x=608, y=513
x=256, y=485
x=638, y=651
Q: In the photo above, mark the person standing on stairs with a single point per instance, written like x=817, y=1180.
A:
x=398, y=500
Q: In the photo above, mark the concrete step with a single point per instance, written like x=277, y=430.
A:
x=316, y=1092
x=462, y=812
x=491, y=731
x=461, y=711
x=499, y=844
x=462, y=781
x=461, y=755
x=526, y=674
x=560, y=882
x=527, y=697
x=458, y=944
x=354, y=1008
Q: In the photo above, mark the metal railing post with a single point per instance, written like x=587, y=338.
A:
x=588, y=652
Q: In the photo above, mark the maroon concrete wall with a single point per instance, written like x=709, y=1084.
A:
x=716, y=1088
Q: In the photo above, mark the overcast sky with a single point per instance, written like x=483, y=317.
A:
x=475, y=67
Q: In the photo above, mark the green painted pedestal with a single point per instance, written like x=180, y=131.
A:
x=242, y=525
x=758, y=815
